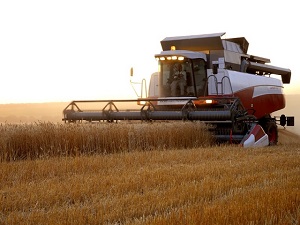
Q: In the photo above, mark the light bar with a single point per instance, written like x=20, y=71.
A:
x=172, y=57
x=205, y=101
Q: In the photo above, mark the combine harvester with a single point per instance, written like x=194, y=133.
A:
x=210, y=79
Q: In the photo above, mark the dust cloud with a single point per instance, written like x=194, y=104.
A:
x=291, y=109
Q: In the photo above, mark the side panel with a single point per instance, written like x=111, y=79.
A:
x=153, y=86
x=261, y=105
x=261, y=95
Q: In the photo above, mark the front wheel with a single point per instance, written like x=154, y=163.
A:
x=272, y=132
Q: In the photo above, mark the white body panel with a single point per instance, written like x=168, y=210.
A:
x=256, y=137
x=241, y=81
x=262, y=142
x=153, y=86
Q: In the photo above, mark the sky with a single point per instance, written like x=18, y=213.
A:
x=64, y=50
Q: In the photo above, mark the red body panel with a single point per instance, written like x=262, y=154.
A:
x=261, y=105
x=258, y=132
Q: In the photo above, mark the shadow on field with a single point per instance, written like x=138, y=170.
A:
x=291, y=109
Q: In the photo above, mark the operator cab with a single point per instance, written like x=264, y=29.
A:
x=181, y=73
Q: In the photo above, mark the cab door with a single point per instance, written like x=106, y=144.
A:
x=200, y=76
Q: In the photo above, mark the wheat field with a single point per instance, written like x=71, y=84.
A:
x=46, y=139
x=74, y=179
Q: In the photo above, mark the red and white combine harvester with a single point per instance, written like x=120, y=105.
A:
x=210, y=79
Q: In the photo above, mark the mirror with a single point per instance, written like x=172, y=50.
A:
x=131, y=71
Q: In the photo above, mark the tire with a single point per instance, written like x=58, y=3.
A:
x=272, y=132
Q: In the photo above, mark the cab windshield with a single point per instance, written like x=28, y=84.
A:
x=184, y=78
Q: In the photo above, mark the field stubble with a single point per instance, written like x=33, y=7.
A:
x=161, y=184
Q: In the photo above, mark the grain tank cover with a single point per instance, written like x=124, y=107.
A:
x=206, y=42
x=194, y=42
x=241, y=41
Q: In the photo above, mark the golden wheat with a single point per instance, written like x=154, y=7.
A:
x=42, y=140
x=176, y=182
x=228, y=185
